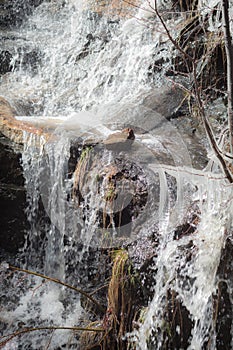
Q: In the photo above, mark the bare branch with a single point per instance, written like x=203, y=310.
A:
x=80, y=291
x=28, y=330
x=174, y=42
x=209, y=130
x=229, y=56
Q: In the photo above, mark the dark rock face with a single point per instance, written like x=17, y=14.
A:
x=222, y=300
x=5, y=59
x=164, y=101
x=29, y=59
x=13, y=12
x=13, y=221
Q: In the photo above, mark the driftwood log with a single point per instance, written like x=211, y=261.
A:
x=12, y=128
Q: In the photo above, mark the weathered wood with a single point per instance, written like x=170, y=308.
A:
x=12, y=128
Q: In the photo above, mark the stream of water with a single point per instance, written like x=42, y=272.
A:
x=94, y=71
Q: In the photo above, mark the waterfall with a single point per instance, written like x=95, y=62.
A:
x=98, y=73
x=66, y=40
x=194, y=280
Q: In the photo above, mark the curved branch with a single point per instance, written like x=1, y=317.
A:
x=80, y=291
x=27, y=330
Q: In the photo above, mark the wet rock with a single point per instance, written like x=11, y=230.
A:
x=177, y=323
x=120, y=141
x=164, y=100
x=17, y=53
x=13, y=12
x=86, y=48
x=13, y=220
x=223, y=310
x=30, y=59
x=120, y=187
x=96, y=43
x=5, y=59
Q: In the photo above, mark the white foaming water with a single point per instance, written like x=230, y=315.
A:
x=90, y=62
x=42, y=305
x=85, y=59
x=194, y=281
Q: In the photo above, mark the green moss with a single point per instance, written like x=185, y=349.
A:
x=85, y=152
x=111, y=194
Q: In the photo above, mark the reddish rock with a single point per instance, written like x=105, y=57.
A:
x=120, y=141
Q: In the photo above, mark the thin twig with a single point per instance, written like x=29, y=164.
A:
x=209, y=130
x=174, y=42
x=229, y=56
x=27, y=330
x=80, y=291
x=53, y=328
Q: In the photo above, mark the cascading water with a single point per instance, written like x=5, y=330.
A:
x=70, y=57
x=68, y=40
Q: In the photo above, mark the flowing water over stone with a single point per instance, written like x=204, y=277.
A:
x=97, y=73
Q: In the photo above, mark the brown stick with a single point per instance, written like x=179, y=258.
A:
x=49, y=328
x=174, y=42
x=27, y=330
x=209, y=130
x=80, y=291
x=229, y=56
